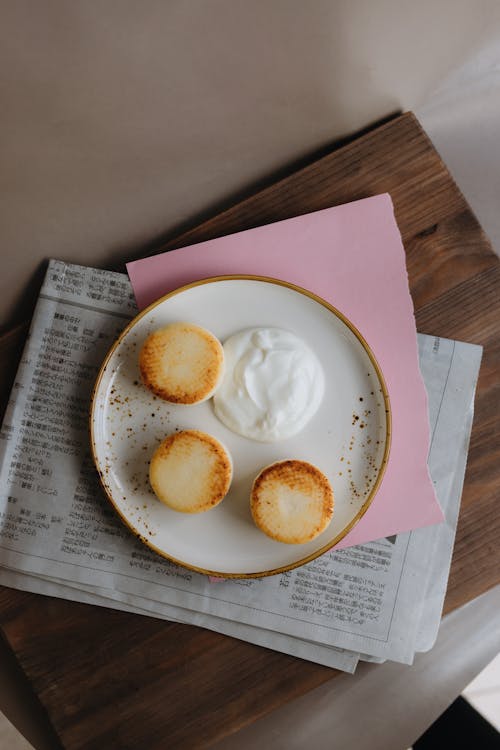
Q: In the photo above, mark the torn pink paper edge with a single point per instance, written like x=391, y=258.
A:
x=353, y=257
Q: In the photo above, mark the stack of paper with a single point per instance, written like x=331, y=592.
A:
x=59, y=535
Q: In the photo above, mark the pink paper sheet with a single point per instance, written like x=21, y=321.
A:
x=353, y=257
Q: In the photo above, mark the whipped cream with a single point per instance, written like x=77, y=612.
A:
x=273, y=384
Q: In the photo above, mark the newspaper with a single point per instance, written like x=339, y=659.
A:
x=59, y=534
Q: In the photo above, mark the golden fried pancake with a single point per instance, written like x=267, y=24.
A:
x=190, y=471
x=291, y=501
x=182, y=363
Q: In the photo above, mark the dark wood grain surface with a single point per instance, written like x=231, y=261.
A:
x=114, y=680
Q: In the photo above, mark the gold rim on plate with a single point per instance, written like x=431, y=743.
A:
x=388, y=417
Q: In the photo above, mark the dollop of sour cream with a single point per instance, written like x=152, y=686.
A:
x=273, y=384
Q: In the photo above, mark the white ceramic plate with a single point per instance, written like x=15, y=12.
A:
x=348, y=438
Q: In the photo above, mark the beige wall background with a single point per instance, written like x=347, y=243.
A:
x=121, y=120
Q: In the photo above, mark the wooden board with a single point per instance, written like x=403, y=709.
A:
x=114, y=680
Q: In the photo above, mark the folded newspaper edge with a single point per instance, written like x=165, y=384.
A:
x=383, y=599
